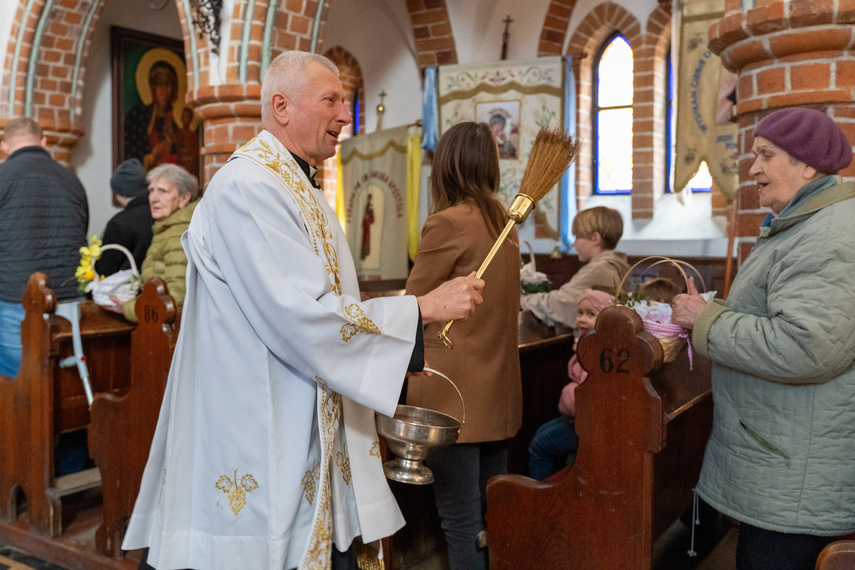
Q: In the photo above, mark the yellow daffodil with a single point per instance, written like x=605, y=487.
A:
x=88, y=254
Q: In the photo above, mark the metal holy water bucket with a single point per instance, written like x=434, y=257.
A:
x=412, y=433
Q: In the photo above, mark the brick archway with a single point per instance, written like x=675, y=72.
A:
x=352, y=81
x=555, y=25
x=432, y=30
x=649, y=142
x=600, y=22
x=45, y=67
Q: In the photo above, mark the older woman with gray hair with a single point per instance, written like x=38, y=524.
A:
x=172, y=195
x=780, y=457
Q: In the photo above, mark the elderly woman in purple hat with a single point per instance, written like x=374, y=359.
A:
x=781, y=456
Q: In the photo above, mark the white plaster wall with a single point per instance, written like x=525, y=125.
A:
x=478, y=26
x=380, y=36
x=92, y=158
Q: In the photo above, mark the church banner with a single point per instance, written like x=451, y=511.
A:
x=705, y=102
x=516, y=98
x=374, y=186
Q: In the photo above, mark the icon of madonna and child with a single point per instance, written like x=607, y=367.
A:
x=159, y=128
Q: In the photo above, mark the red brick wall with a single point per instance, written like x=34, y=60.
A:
x=648, y=112
x=432, y=30
x=555, y=27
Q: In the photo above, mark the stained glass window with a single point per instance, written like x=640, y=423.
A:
x=613, y=118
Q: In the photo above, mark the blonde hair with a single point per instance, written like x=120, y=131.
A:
x=659, y=289
x=605, y=221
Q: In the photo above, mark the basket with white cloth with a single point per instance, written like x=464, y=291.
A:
x=123, y=285
x=657, y=316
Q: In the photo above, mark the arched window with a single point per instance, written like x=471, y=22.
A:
x=612, y=118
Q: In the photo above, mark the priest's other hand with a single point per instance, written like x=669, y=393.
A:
x=453, y=300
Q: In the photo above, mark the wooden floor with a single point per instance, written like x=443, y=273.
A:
x=74, y=550
x=716, y=547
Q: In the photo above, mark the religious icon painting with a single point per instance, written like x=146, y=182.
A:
x=150, y=121
x=504, y=119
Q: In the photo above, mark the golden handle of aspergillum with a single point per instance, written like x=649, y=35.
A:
x=520, y=208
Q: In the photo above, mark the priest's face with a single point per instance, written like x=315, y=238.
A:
x=316, y=115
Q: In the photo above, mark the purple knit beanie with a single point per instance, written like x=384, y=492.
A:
x=807, y=135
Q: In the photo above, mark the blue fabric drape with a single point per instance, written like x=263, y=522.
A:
x=430, y=111
x=568, y=181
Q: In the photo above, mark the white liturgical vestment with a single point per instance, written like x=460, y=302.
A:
x=265, y=451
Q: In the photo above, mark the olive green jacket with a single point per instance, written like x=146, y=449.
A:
x=165, y=257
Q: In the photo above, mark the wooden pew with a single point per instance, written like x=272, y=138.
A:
x=44, y=400
x=642, y=430
x=838, y=555
x=123, y=426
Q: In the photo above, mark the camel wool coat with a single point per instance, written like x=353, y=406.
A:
x=484, y=363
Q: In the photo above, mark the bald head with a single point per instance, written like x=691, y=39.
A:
x=21, y=132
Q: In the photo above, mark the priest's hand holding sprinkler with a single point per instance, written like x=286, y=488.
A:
x=551, y=155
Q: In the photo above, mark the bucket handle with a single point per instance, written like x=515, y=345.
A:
x=438, y=373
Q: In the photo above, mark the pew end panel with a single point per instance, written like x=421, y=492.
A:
x=838, y=555
x=631, y=477
x=26, y=413
x=123, y=426
x=45, y=399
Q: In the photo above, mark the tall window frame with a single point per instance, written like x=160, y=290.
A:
x=613, y=109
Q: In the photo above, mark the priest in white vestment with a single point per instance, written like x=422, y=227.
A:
x=265, y=453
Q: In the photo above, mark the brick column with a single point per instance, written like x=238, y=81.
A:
x=231, y=115
x=795, y=53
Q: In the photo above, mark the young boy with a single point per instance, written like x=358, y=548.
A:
x=597, y=231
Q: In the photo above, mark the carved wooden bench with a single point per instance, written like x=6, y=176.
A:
x=642, y=431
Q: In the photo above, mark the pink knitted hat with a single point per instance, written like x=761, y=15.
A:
x=807, y=135
x=598, y=299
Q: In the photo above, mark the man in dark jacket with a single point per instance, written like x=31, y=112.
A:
x=131, y=227
x=44, y=215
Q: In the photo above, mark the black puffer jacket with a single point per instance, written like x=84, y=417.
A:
x=43, y=220
x=131, y=228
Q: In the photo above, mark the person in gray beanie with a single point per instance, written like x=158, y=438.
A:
x=132, y=226
x=780, y=457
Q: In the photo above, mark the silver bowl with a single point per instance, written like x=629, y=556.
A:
x=411, y=434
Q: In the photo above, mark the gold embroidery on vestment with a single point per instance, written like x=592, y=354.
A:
x=375, y=449
x=342, y=459
x=310, y=482
x=359, y=323
x=236, y=490
x=284, y=168
x=318, y=552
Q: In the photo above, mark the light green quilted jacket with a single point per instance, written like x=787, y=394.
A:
x=782, y=451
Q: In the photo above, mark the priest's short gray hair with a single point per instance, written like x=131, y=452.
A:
x=286, y=75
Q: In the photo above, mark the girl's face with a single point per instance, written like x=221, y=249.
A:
x=586, y=316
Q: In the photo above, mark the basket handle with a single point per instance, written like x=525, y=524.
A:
x=662, y=259
x=438, y=373
x=124, y=250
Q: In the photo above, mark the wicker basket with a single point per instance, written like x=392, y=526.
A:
x=670, y=336
x=124, y=285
